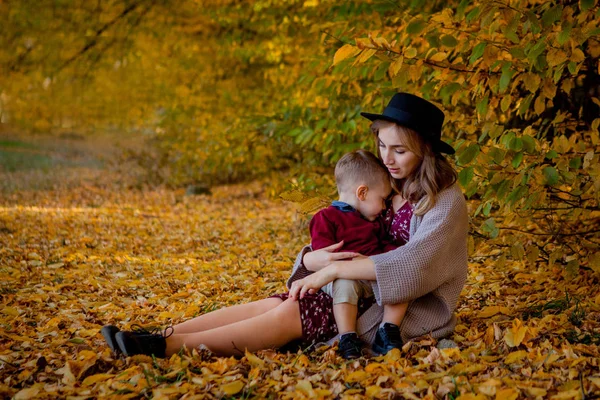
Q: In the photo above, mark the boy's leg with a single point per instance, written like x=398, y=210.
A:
x=388, y=335
x=345, y=294
x=345, y=310
x=394, y=313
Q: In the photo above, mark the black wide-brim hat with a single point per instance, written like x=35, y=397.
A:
x=418, y=114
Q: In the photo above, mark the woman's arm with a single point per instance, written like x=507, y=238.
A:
x=435, y=255
x=361, y=268
x=319, y=259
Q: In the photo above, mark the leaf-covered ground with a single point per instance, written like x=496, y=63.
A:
x=76, y=256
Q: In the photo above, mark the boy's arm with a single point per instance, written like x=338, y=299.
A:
x=322, y=231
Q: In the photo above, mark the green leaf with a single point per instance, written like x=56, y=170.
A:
x=585, y=5
x=534, y=22
x=511, y=29
x=551, y=15
x=525, y=104
x=518, y=52
x=528, y=144
x=502, y=189
x=551, y=154
x=517, y=160
x=565, y=33
x=550, y=175
x=517, y=194
x=477, y=52
x=416, y=27
x=465, y=176
x=489, y=227
x=473, y=14
x=469, y=154
x=575, y=163
x=487, y=208
x=505, y=103
x=448, y=91
x=536, y=50
x=482, y=106
x=515, y=144
x=507, y=74
x=449, y=41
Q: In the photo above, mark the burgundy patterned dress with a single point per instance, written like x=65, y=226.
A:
x=316, y=310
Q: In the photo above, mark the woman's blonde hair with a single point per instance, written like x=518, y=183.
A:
x=433, y=174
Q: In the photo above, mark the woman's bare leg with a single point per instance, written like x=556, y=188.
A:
x=226, y=316
x=271, y=329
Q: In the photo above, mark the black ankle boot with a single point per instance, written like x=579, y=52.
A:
x=143, y=341
x=387, y=338
x=350, y=346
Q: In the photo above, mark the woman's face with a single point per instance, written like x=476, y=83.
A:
x=399, y=160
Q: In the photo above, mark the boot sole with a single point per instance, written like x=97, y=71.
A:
x=109, y=332
x=121, y=338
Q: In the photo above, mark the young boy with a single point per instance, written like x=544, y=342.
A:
x=363, y=185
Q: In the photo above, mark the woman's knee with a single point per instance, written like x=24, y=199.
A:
x=288, y=312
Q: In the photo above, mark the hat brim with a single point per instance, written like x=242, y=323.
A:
x=439, y=146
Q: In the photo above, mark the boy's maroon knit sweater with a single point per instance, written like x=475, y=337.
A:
x=332, y=225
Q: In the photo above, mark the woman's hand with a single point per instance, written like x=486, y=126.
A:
x=312, y=283
x=319, y=259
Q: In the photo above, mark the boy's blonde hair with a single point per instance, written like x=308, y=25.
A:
x=433, y=174
x=359, y=167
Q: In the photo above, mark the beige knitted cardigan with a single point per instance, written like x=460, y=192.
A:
x=429, y=271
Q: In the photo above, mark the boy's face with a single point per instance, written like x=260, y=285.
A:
x=372, y=201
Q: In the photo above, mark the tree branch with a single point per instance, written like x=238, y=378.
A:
x=94, y=41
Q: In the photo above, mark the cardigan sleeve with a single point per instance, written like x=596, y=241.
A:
x=434, y=255
x=299, y=271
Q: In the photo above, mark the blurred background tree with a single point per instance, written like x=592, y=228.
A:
x=227, y=91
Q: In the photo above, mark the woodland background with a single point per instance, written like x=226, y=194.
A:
x=110, y=109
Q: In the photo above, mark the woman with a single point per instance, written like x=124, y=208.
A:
x=429, y=271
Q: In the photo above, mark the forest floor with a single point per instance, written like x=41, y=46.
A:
x=82, y=244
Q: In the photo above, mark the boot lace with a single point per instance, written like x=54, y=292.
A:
x=140, y=330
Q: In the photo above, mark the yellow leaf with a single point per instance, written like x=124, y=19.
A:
x=13, y=312
x=536, y=392
x=507, y=394
x=595, y=380
x=540, y=105
x=555, y=57
x=372, y=391
x=567, y=394
x=577, y=56
x=471, y=396
x=395, y=66
x=366, y=54
x=357, y=376
x=305, y=386
x=493, y=310
x=28, y=393
x=515, y=356
x=344, y=52
x=410, y=52
x=437, y=57
x=232, y=388
x=93, y=379
x=514, y=336
x=253, y=360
